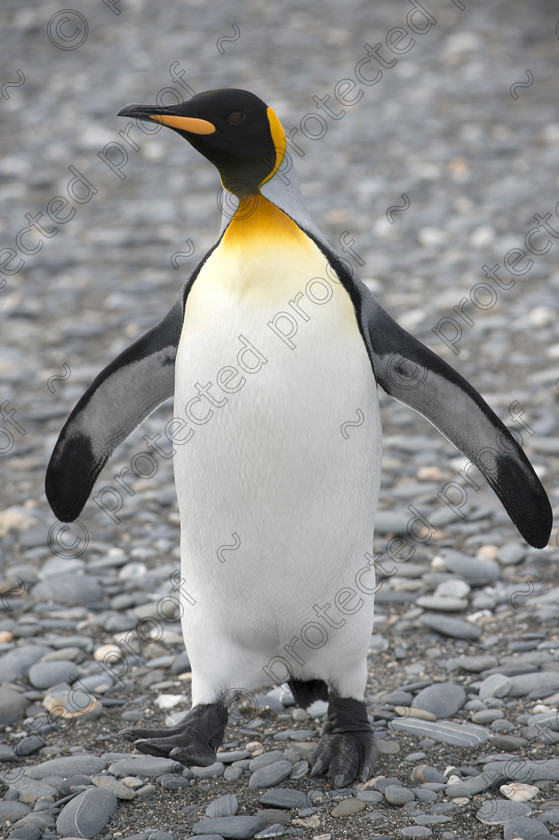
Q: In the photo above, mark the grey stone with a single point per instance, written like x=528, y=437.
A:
x=487, y=716
x=12, y=810
x=224, y=806
x=284, y=798
x=238, y=828
x=441, y=604
x=478, y=571
x=372, y=797
x=211, y=772
x=233, y=755
x=415, y=831
x=456, y=628
x=299, y=769
x=526, y=771
x=12, y=705
x=441, y=699
x=398, y=795
x=69, y=589
x=16, y=663
x=524, y=684
x=525, y=828
x=232, y=773
x=275, y=830
x=456, y=734
x=144, y=766
x=454, y=588
x=473, y=785
x=173, y=781
x=432, y=819
x=477, y=663
x=120, y=790
x=497, y=811
x=87, y=814
x=391, y=522
x=511, y=554
x=270, y=775
x=47, y=674
x=424, y=773
x=496, y=685
x=29, y=790
x=85, y=763
x=266, y=758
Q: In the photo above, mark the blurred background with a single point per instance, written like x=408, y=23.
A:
x=432, y=172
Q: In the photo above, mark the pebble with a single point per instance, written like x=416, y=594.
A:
x=519, y=792
x=456, y=734
x=348, y=807
x=144, y=766
x=230, y=827
x=524, y=828
x=12, y=705
x=496, y=685
x=441, y=699
x=477, y=571
x=528, y=771
x=284, y=798
x=442, y=604
x=47, y=674
x=456, y=628
x=496, y=811
x=270, y=775
x=425, y=773
x=120, y=790
x=477, y=663
x=511, y=554
x=16, y=663
x=224, y=806
x=474, y=784
x=12, y=810
x=86, y=764
x=76, y=588
x=524, y=684
x=87, y=814
x=266, y=758
x=75, y=703
x=398, y=795
x=211, y=772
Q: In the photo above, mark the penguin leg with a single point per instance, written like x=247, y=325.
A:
x=347, y=748
x=193, y=741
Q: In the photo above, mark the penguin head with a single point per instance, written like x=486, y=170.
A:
x=232, y=128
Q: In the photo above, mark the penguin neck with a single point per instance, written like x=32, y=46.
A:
x=258, y=221
x=283, y=192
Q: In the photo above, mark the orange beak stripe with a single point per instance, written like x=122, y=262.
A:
x=195, y=126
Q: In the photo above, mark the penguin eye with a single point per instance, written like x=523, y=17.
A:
x=235, y=117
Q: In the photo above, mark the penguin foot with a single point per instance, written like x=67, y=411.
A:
x=192, y=742
x=347, y=749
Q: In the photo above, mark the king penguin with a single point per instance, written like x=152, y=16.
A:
x=272, y=346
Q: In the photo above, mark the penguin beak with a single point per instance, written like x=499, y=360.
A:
x=168, y=116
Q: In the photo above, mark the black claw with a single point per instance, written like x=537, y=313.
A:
x=347, y=749
x=192, y=742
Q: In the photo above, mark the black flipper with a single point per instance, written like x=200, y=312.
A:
x=414, y=375
x=117, y=401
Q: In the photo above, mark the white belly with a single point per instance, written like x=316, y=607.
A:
x=271, y=475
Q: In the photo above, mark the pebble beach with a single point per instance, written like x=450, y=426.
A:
x=437, y=181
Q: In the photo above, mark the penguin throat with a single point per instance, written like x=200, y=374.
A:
x=256, y=218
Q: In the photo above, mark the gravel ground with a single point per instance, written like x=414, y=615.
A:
x=435, y=172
